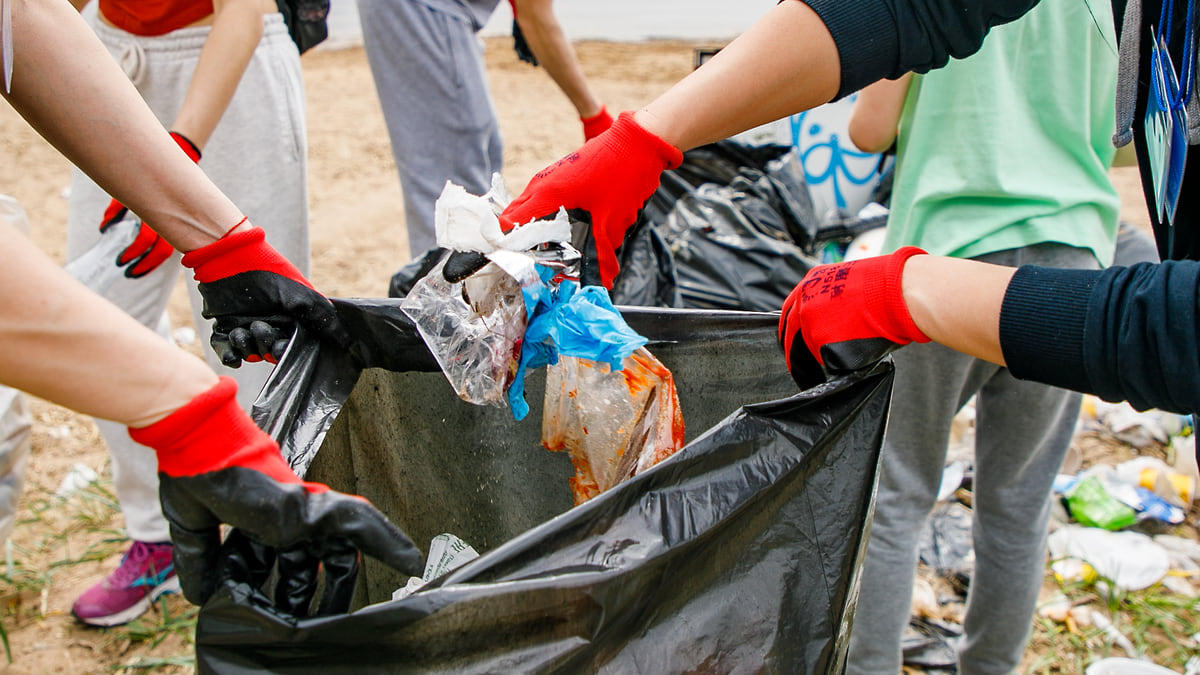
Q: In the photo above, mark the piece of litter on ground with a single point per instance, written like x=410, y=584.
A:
x=1118, y=638
x=1130, y=560
x=58, y=431
x=184, y=336
x=79, y=477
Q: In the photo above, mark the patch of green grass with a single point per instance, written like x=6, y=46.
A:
x=4, y=639
x=85, y=521
x=1158, y=623
x=154, y=627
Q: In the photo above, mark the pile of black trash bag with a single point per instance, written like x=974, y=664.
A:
x=732, y=228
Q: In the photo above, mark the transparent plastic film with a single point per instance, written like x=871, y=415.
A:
x=474, y=329
x=614, y=424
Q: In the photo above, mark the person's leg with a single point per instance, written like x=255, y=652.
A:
x=932, y=383
x=1023, y=431
x=432, y=86
x=16, y=425
x=146, y=571
x=16, y=422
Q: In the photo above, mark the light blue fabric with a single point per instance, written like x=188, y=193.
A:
x=570, y=321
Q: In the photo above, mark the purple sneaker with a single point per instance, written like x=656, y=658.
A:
x=145, y=573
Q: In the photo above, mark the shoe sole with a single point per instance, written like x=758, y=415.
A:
x=135, y=610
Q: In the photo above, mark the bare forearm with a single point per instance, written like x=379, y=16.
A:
x=236, y=30
x=67, y=345
x=785, y=63
x=876, y=114
x=555, y=54
x=62, y=60
x=957, y=302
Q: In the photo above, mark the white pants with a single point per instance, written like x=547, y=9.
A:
x=257, y=156
x=16, y=422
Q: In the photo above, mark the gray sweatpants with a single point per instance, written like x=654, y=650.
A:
x=429, y=74
x=1023, y=430
x=257, y=156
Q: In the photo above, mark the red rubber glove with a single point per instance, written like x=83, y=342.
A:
x=148, y=250
x=215, y=466
x=257, y=298
x=610, y=177
x=850, y=315
x=596, y=124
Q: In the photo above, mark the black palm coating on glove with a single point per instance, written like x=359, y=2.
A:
x=294, y=531
x=238, y=302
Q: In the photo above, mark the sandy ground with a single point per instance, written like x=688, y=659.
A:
x=358, y=242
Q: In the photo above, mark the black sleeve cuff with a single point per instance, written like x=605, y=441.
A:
x=1043, y=325
x=879, y=39
x=867, y=40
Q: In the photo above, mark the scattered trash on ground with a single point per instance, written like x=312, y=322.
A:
x=1126, y=521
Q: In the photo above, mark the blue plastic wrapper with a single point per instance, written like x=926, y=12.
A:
x=572, y=321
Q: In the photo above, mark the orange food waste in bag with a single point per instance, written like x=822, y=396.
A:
x=613, y=423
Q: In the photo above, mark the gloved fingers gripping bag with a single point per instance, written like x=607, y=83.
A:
x=741, y=552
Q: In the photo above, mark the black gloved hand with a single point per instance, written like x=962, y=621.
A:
x=215, y=466
x=257, y=298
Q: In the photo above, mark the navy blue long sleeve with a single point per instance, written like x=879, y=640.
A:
x=879, y=39
x=1125, y=333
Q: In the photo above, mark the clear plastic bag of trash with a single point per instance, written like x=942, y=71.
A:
x=613, y=423
x=473, y=328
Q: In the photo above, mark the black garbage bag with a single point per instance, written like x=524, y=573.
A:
x=740, y=553
x=731, y=228
x=931, y=645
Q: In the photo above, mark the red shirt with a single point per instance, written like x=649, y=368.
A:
x=154, y=17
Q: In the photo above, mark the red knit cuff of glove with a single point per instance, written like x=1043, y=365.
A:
x=188, y=146
x=630, y=135
x=237, y=252
x=596, y=124
x=888, y=294
x=212, y=432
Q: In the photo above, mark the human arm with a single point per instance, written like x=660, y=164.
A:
x=68, y=346
x=798, y=56
x=58, y=58
x=876, y=114
x=247, y=286
x=803, y=54
x=549, y=44
x=237, y=27
x=1124, y=333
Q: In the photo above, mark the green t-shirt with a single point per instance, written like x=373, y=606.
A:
x=1011, y=147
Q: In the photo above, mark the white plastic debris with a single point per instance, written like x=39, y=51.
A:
x=446, y=553
x=79, y=477
x=184, y=336
x=466, y=222
x=1130, y=560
